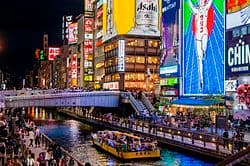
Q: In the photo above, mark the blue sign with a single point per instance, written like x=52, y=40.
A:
x=203, y=50
x=169, y=10
x=169, y=59
x=238, y=55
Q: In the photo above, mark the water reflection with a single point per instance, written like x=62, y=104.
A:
x=76, y=138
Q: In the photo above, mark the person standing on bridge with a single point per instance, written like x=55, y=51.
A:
x=31, y=137
x=37, y=137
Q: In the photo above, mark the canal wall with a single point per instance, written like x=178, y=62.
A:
x=204, y=151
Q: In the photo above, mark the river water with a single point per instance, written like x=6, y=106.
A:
x=75, y=137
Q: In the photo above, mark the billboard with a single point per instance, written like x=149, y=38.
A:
x=74, y=70
x=170, y=26
x=238, y=55
x=142, y=17
x=72, y=33
x=203, y=47
x=237, y=13
x=66, y=20
x=53, y=52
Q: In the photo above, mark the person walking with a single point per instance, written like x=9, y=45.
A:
x=31, y=137
x=225, y=139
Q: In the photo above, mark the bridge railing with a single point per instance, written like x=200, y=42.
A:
x=69, y=159
x=201, y=140
x=236, y=158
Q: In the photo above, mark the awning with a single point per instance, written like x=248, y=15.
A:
x=196, y=102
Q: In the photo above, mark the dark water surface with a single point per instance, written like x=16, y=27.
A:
x=75, y=136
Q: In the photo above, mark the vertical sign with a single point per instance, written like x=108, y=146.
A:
x=121, y=56
x=74, y=70
x=203, y=54
x=169, y=59
x=66, y=21
x=73, y=33
x=88, y=49
x=46, y=44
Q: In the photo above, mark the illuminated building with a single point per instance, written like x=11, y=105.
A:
x=237, y=63
x=98, y=44
x=131, y=44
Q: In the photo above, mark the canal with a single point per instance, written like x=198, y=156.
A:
x=75, y=137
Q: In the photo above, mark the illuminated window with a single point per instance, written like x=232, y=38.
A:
x=130, y=59
x=153, y=60
x=153, y=43
x=115, y=77
x=135, y=42
x=140, y=59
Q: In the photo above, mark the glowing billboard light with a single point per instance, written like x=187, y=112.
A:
x=72, y=33
x=203, y=54
x=53, y=52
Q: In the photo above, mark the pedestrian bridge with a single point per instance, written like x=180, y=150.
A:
x=63, y=99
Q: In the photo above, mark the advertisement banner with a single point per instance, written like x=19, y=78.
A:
x=238, y=55
x=146, y=18
x=237, y=13
x=203, y=52
x=142, y=17
x=72, y=33
x=74, y=70
x=169, y=59
x=53, y=52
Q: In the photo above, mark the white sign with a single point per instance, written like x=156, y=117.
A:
x=169, y=69
x=121, y=55
x=239, y=17
x=230, y=85
x=99, y=34
x=111, y=85
x=88, y=36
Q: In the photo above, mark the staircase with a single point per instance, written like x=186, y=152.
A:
x=145, y=111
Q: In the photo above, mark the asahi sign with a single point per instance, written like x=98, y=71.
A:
x=146, y=17
x=238, y=55
x=147, y=12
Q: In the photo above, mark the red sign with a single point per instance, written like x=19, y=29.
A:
x=236, y=4
x=72, y=33
x=99, y=13
x=74, y=70
x=53, y=52
x=88, y=24
x=244, y=94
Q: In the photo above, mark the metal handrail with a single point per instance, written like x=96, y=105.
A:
x=46, y=140
x=147, y=103
x=236, y=158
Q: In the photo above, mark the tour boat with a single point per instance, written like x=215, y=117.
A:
x=125, y=145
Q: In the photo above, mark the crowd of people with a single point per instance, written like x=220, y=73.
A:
x=20, y=138
x=125, y=143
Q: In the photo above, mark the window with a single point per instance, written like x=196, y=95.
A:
x=135, y=43
x=153, y=60
x=140, y=59
x=153, y=43
x=244, y=31
x=130, y=59
x=236, y=33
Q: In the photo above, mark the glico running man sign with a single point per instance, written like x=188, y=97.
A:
x=203, y=52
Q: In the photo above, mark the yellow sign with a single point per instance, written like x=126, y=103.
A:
x=142, y=17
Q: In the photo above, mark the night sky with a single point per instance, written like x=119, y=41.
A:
x=23, y=24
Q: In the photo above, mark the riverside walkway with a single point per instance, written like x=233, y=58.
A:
x=199, y=142
x=45, y=142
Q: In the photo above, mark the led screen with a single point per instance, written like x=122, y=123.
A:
x=169, y=59
x=203, y=52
